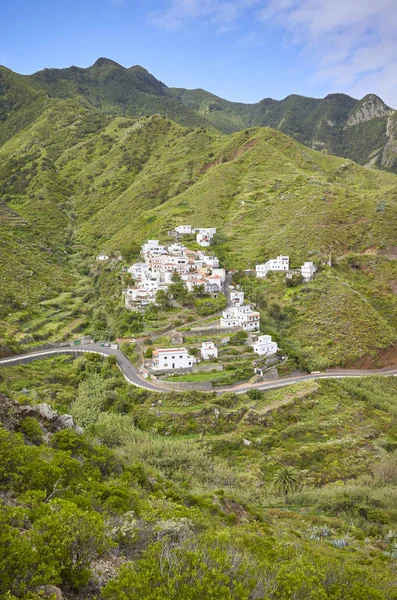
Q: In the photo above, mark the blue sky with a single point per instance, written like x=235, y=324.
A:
x=242, y=50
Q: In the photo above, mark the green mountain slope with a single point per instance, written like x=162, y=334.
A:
x=364, y=131
x=338, y=124
x=113, y=89
x=84, y=179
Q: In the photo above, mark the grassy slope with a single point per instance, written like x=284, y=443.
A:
x=340, y=437
x=79, y=176
x=113, y=89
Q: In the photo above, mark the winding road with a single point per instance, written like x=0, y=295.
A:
x=133, y=376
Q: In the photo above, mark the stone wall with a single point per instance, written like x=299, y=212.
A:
x=200, y=386
x=214, y=330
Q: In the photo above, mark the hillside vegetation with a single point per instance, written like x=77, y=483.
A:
x=75, y=181
x=362, y=130
x=171, y=503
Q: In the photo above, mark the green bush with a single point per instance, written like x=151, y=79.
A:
x=31, y=429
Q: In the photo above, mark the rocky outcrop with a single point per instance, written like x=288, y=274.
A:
x=50, y=591
x=11, y=413
x=370, y=107
x=389, y=154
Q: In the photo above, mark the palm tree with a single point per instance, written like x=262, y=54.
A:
x=286, y=480
x=162, y=298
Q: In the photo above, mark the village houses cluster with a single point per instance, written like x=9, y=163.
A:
x=195, y=268
x=204, y=235
x=281, y=263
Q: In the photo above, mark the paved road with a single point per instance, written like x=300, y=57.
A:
x=132, y=375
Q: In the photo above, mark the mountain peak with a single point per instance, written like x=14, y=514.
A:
x=106, y=62
x=370, y=107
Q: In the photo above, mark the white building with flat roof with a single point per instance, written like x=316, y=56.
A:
x=213, y=283
x=208, y=350
x=153, y=247
x=237, y=298
x=281, y=263
x=241, y=316
x=307, y=270
x=138, y=297
x=184, y=229
x=265, y=345
x=205, y=235
x=102, y=257
x=138, y=270
x=172, y=358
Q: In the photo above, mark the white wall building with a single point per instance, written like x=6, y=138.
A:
x=183, y=229
x=241, y=316
x=205, y=235
x=208, y=350
x=203, y=239
x=176, y=249
x=102, y=257
x=219, y=273
x=138, y=269
x=209, y=261
x=153, y=247
x=213, y=283
x=140, y=297
x=172, y=358
x=281, y=263
x=237, y=298
x=264, y=345
x=308, y=269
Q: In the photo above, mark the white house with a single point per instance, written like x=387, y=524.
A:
x=237, y=298
x=204, y=236
x=213, y=283
x=183, y=229
x=135, y=296
x=249, y=319
x=172, y=358
x=219, y=273
x=281, y=263
x=229, y=318
x=176, y=249
x=209, y=231
x=138, y=270
x=264, y=345
x=101, y=257
x=308, y=269
x=208, y=350
x=241, y=316
x=209, y=261
x=153, y=247
x=203, y=239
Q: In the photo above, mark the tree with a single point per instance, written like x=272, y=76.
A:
x=128, y=280
x=162, y=298
x=198, y=290
x=286, y=480
x=175, y=277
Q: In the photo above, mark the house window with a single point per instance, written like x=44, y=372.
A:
x=173, y=357
x=165, y=364
x=181, y=356
x=190, y=364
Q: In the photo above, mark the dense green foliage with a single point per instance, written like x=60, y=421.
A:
x=337, y=124
x=151, y=510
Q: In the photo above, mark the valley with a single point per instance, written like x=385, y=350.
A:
x=198, y=333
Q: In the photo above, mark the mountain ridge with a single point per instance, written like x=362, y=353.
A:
x=363, y=130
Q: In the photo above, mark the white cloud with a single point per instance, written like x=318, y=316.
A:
x=224, y=14
x=351, y=44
